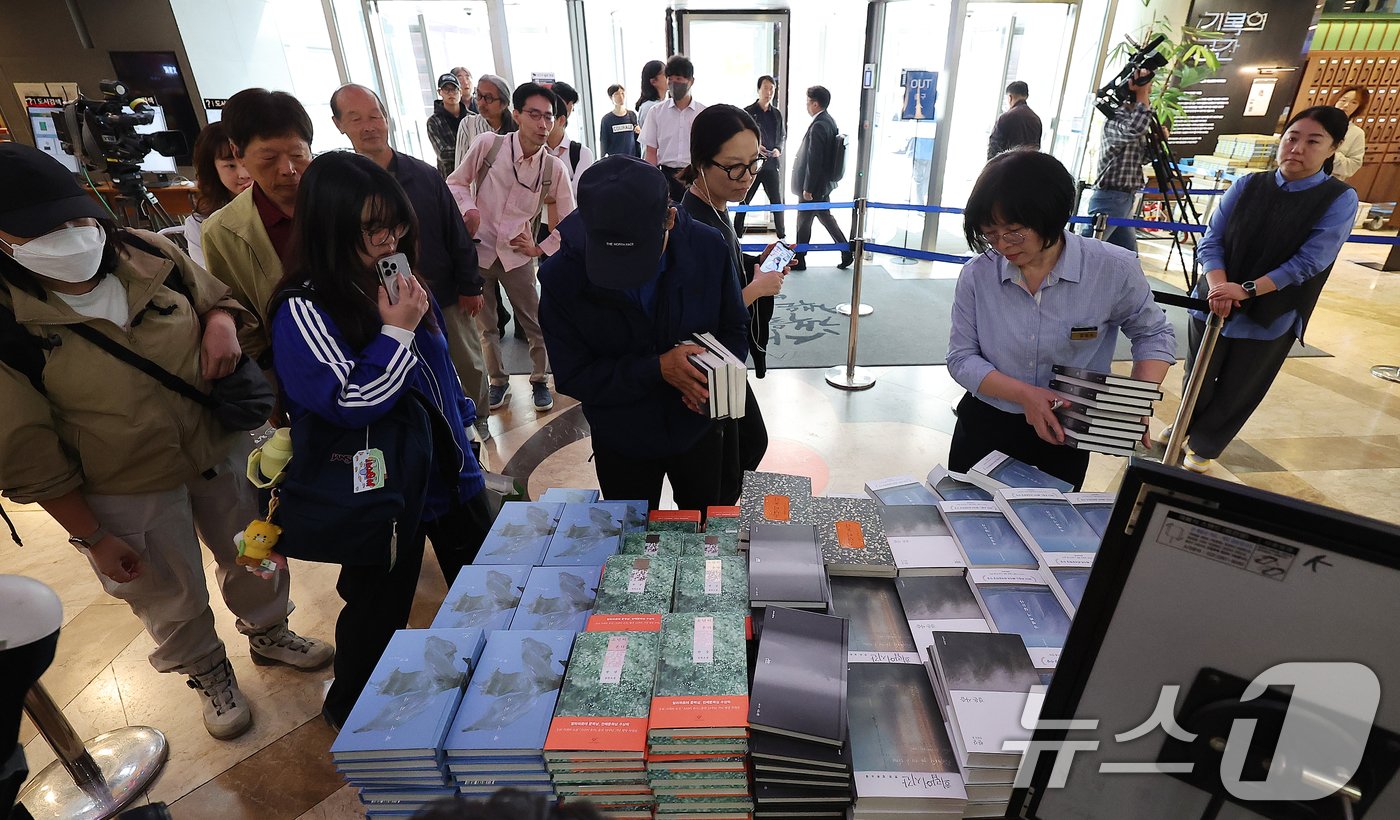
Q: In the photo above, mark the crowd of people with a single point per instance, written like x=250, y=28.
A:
x=611, y=265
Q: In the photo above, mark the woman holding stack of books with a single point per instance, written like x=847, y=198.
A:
x=1267, y=253
x=1036, y=297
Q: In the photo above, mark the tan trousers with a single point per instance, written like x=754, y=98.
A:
x=170, y=596
x=464, y=346
x=519, y=285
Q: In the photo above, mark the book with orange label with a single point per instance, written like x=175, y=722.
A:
x=634, y=593
x=852, y=538
x=774, y=498
x=606, y=699
x=702, y=682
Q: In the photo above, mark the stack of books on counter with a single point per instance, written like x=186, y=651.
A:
x=852, y=537
x=989, y=693
x=874, y=619
x=635, y=591
x=786, y=569
x=697, y=738
x=587, y=534
x=920, y=541
x=557, y=598
x=391, y=746
x=520, y=534
x=726, y=377
x=984, y=536
x=1021, y=602
x=1055, y=531
x=484, y=596
x=774, y=498
x=497, y=738
x=797, y=715
x=723, y=524
x=998, y=471
x=596, y=745
x=1105, y=412
x=938, y=603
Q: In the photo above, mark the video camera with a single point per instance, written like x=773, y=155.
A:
x=1119, y=91
x=102, y=134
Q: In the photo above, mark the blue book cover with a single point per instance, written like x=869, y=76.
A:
x=1033, y=612
x=521, y=533
x=986, y=538
x=409, y=701
x=511, y=699
x=557, y=598
x=587, y=535
x=566, y=495
x=1097, y=516
x=1056, y=526
x=483, y=596
x=1015, y=473
x=1072, y=580
x=636, y=520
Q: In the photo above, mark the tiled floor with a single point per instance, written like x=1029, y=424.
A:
x=1329, y=432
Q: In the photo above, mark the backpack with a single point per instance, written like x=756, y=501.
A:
x=575, y=151
x=838, y=158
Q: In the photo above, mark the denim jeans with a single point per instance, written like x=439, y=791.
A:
x=1116, y=205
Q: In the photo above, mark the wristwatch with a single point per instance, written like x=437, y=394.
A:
x=87, y=542
x=1248, y=288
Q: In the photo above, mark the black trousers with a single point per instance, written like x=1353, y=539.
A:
x=771, y=178
x=695, y=474
x=983, y=428
x=804, y=224
x=745, y=443
x=21, y=667
x=377, y=599
x=456, y=537
x=1239, y=375
x=673, y=182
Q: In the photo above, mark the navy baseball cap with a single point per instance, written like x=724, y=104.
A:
x=40, y=194
x=623, y=202
x=449, y=79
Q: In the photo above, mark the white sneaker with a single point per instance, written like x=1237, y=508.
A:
x=1166, y=434
x=483, y=429
x=1196, y=464
x=226, y=712
x=281, y=645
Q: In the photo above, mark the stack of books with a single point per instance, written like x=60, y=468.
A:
x=712, y=585
x=726, y=377
x=938, y=603
x=1051, y=526
x=797, y=713
x=920, y=541
x=903, y=759
x=497, y=738
x=989, y=693
x=391, y=746
x=774, y=498
x=984, y=536
x=785, y=567
x=587, y=534
x=557, y=598
x=851, y=537
x=723, y=524
x=484, y=596
x=520, y=534
x=875, y=620
x=634, y=593
x=596, y=745
x=1021, y=602
x=697, y=738
x=1106, y=411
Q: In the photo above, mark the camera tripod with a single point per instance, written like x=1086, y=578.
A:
x=134, y=198
x=1176, y=196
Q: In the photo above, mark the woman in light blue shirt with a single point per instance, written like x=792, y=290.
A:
x=1039, y=296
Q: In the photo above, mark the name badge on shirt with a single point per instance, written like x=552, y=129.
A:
x=369, y=470
x=1081, y=334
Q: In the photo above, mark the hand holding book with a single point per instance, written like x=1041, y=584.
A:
x=678, y=372
x=1039, y=405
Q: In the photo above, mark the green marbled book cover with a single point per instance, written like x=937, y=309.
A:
x=585, y=693
x=699, y=588
x=725, y=543
x=634, y=584
x=671, y=544
x=713, y=665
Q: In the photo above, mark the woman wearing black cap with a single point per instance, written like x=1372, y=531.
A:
x=126, y=465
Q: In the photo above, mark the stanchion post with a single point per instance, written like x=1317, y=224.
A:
x=1100, y=226
x=1176, y=445
x=851, y=377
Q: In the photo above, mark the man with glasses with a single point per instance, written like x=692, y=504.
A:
x=666, y=132
x=811, y=175
x=502, y=185
x=446, y=256
x=492, y=99
x=448, y=113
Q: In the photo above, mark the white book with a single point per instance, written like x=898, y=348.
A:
x=736, y=371
x=991, y=689
x=1050, y=526
x=1021, y=602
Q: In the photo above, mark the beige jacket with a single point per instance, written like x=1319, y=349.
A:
x=240, y=254
x=105, y=427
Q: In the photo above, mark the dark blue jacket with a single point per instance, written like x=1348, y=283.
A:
x=605, y=350
x=321, y=373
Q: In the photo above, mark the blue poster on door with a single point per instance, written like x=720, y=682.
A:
x=920, y=93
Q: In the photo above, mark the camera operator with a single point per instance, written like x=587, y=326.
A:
x=1122, y=153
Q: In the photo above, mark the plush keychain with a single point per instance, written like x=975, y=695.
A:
x=255, y=544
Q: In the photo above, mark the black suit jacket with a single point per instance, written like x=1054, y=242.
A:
x=812, y=170
x=1019, y=127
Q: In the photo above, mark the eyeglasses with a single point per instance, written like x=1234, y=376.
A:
x=538, y=116
x=737, y=171
x=384, y=237
x=482, y=98
x=1011, y=238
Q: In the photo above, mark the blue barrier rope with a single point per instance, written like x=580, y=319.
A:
x=928, y=209
x=799, y=248
x=913, y=253
x=802, y=206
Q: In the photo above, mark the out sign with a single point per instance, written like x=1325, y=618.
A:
x=920, y=95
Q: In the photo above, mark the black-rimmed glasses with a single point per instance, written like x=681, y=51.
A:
x=737, y=171
x=384, y=237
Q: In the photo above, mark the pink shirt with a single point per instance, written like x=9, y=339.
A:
x=508, y=196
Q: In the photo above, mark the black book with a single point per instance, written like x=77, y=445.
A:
x=1112, y=380
x=1096, y=445
x=1094, y=397
x=1101, y=426
x=785, y=567
x=799, y=684
x=771, y=793
x=1118, y=418
x=1098, y=433
x=781, y=749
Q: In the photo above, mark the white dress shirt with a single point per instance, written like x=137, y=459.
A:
x=667, y=129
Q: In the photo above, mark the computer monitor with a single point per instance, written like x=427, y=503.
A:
x=46, y=136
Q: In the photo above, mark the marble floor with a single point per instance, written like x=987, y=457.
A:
x=1328, y=432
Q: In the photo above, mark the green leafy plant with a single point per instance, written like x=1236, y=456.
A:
x=1189, y=61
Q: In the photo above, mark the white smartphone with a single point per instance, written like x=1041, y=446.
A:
x=778, y=259
x=391, y=268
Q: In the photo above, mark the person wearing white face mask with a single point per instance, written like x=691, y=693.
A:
x=127, y=466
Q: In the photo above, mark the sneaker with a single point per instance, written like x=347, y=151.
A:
x=847, y=259
x=226, y=712
x=497, y=394
x=544, y=402
x=1196, y=464
x=483, y=429
x=281, y=645
x=1166, y=434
